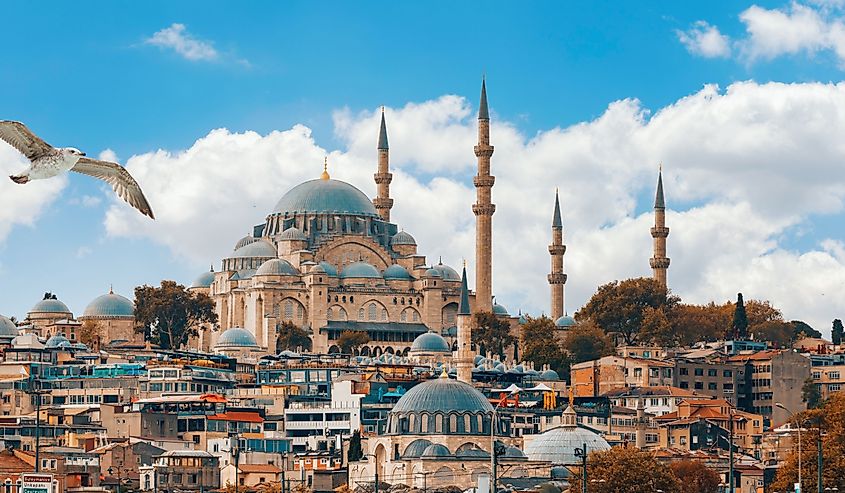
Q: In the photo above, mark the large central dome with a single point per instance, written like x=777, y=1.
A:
x=324, y=196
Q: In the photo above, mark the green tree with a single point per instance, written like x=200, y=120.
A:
x=801, y=330
x=170, y=314
x=349, y=340
x=586, y=342
x=626, y=470
x=695, y=477
x=493, y=333
x=810, y=394
x=540, y=345
x=837, y=332
x=355, y=451
x=619, y=307
x=291, y=337
x=657, y=329
x=739, y=324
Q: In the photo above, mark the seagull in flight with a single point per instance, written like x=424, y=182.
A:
x=48, y=161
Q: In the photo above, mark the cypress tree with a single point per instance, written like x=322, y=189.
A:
x=739, y=325
x=837, y=332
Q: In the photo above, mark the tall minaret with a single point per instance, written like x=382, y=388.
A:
x=383, y=202
x=465, y=353
x=659, y=262
x=557, y=279
x=483, y=210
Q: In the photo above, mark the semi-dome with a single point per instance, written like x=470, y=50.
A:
x=236, y=337
x=360, y=270
x=204, y=280
x=7, y=327
x=330, y=269
x=403, y=238
x=558, y=444
x=246, y=240
x=397, y=272
x=293, y=234
x=110, y=305
x=326, y=196
x=50, y=305
x=430, y=342
x=436, y=450
x=416, y=448
x=57, y=340
x=260, y=248
x=443, y=395
x=500, y=310
x=565, y=321
x=277, y=267
x=446, y=272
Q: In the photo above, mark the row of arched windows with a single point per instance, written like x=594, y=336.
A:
x=423, y=423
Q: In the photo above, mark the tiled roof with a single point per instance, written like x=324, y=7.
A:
x=266, y=468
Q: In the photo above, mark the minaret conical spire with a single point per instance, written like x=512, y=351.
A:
x=483, y=112
x=556, y=221
x=463, y=307
x=382, y=133
x=659, y=200
x=465, y=354
x=383, y=176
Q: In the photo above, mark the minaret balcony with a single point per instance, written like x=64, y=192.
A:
x=659, y=263
x=383, y=202
x=557, y=278
x=483, y=209
x=483, y=150
x=658, y=232
x=382, y=178
x=481, y=181
x=557, y=249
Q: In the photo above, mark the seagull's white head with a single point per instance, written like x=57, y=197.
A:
x=73, y=151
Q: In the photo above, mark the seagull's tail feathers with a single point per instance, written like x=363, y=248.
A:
x=20, y=179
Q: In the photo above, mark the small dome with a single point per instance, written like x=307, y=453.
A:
x=256, y=249
x=416, y=448
x=317, y=269
x=403, y=238
x=447, y=273
x=397, y=272
x=432, y=273
x=330, y=269
x=549, y=375
x=324, y=196
x=436, y=450
x=293, y=234
x=514, y=453
x=558, y=445
x=565, y=321
x=357, y=270
x=50, y=306
x=430, y=342
x=500, y=310
x=57, y=340
x=472, y=453
x=7, y=327
x=242, y=275
x=277, y=267
x=560, y=472
x=235, y=337
x=110, y=306
x=246, y=240
x=204, y=280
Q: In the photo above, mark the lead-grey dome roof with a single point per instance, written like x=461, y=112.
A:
x=293, y=234
x=50, y=306
x=326, y=196
x=430, y=342
x=397, y=272
x=360, y=270
x=403, y=238
x=110, y=305
x=416, y=448
x=436, y=450
x=558, y=445
x=277, y=267
x=7, y=327
x=204, y=280
x=260, y=248
x=57, y=340
x=236, y=337
x=443, y=395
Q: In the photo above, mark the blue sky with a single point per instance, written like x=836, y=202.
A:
x=90, y=76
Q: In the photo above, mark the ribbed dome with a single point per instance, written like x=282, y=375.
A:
x=260, y=248
x=397, y=272
x=403, y=238
x=500, y=310
x=246, y=240
x=443, y=395
x=430, y=342
x=360, y=270
x=236, y=337
x=293, y=234
x=558, y=445
x=50, y=306
x=277, y=267
x=416, y=448
x=7, y=327
x=326, y=196
x=447, y=273
x=110, y=305
x=436, y=450
x=330, y=269
x=58, y=340
x=565, y=321
x=204, y=280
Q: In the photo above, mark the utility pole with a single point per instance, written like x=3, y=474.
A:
x=37, y=384
x=584, y=468
x=820, y=458
x=731, y=451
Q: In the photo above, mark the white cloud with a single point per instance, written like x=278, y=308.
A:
x=705, y=40
x=177, y=38
x=22, y=204
x=744, y=168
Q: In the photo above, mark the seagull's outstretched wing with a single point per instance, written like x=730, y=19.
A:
x=21, y=138
x=121, y=181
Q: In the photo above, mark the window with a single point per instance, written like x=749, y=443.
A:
x=372, y=312
x=711, y=386
x=684, y=385
x=288, y=309
x=834, y=375
x=727, y=373
x=638, y=372
x=361, y=314
x=699, y=386
x=384, y=315
x=699, y=372
x=684, y=371
x=711, y=372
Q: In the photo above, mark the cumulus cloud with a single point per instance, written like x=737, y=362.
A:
x=22, y=204
x=179, y=40
x=744, y=168
x=705, y=40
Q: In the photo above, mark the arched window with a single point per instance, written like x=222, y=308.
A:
x=372, y=312
x=330, y=314
x=424, y=423
x=416, y=316
x=412, y=423
x=403, y=317
x=299, y=311
x=288, y=309
x=361, y=314
x=384, y=315
x=453, y=424
x=439, y=422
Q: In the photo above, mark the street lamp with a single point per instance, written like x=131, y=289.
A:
x=582, y=453
x=375, y=463
x=792, y=415
x=493, y=415
x=235, y=450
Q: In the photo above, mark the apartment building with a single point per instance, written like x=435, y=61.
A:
x=597, y=377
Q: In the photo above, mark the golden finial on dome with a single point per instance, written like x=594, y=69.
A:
x=571, y=394
x=325, y=174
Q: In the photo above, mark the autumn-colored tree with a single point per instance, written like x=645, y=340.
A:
x=778, y=333
x=837, y=331
x=759, y=311
x=89, y=333
x=830, y=418
x=540, y=345
x=619, y=307
x=492, y=333
x=586, y=342
x=656, y=328
x=292, y=337
x=350, y=340
x=695, y=477
x=696, y=323
x=170, y=314
x=626, y=470
x=270, y=487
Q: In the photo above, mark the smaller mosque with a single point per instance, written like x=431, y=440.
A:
x=557, y=445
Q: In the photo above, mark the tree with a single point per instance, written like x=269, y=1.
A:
x=759, y=311
x=626, y=470
x=619, y=307
x=170, y=314
x=586, y=342
x=350, y=340
x=739, y=324
x=837, y=332
x=292, y=337
x=89, y=333
x=355, y=451
x=801, y=330
x=810, y=394
x=696, y=323
x=695, y=477
x=540, y=345
x=656, y=328
x=780, y=334
x=492, y=333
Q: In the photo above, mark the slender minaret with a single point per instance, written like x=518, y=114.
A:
x=659, y=262
x=465, y=354
x=483, y=210
x=557, y=279
x=383, y=202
